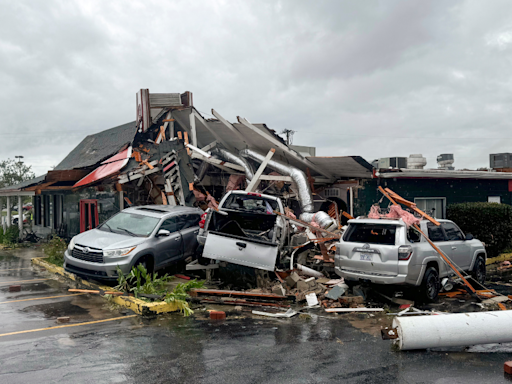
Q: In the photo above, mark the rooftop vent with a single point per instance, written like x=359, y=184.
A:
x=393, y=162
x=445, y=161
x=500, y=160
x=416, y=161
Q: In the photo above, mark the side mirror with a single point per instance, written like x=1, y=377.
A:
x=163, y=233
x=469, y=236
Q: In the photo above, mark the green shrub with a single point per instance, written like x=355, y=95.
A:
x=140, y=282
x=54, y=250
x=11, y=235
x=490, y=223
x=1, y=235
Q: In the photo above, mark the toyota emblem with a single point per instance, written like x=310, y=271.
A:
x=86, y=250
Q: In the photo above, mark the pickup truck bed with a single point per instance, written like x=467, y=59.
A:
x=242, y=238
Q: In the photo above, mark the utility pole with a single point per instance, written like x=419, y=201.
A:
x=289, y=135
x=19, y=165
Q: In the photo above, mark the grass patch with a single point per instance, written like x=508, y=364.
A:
x=54, y=250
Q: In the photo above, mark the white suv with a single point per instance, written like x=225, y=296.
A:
x=384, y=251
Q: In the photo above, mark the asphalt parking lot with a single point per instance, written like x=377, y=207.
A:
x=171, y=348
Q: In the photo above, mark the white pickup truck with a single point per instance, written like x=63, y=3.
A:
x=245, y=230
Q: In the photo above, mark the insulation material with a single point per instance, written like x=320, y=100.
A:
x=395, y=212
x=234, y=183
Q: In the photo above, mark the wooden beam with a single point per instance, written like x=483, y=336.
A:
x=284, y=147
x=193, y=132
x=209, y=146
x=229, y=126
x=217, y=162
x=256, y=179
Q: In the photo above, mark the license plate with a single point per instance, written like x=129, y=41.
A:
x=366, y=257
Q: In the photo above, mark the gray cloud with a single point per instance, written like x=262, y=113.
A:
x=373, y=78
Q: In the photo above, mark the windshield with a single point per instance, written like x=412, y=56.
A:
x=371, y=234
x=252, y=203
x=131, y=224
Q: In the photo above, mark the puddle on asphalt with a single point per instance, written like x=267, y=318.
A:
x=58, y=309
x=30, y=287
x=81, y=308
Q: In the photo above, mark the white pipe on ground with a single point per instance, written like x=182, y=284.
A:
x=309, y=271
x=453, y=330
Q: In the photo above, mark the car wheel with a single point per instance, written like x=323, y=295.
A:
x=479, y=271
x=145, y=263
x=430, y=285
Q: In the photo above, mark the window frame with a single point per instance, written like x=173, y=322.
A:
x=175, y=222
x=429, y=225
x=463, y=235
x=433, y=198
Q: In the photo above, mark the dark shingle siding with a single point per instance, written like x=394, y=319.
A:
x=24, y=184
x=98, y=147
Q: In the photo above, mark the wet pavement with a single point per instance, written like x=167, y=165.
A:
x=170, y=348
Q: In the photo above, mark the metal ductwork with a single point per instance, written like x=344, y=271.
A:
x=299, y=178
x=201, y=172
x=232, y=158
x=320, y=217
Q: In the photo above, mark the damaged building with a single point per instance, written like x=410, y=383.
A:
x=171, y=154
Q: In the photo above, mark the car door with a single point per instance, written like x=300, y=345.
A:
x=169, y=247
x=436, y=235
x=189, y=228
x=460, y=251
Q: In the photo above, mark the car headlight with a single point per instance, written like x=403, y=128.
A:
x=118, y=252
x=71, y=244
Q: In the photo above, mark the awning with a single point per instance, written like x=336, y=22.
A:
x=109, y=168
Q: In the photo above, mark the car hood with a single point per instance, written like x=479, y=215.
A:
x=107, y=240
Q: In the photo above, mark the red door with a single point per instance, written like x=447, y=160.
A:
x=88, y=215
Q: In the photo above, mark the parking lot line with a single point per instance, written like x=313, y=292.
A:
x=12, y=269
x=66, y=326
x=39, y=298
x=20, y=281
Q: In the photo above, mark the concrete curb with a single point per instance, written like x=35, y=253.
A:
x=499, y=259
x=136, y=305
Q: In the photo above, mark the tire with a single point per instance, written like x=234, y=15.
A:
x=144, y=261
x=479, y=271
x=430, y=286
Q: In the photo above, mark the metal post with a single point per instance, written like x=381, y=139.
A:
x=2, y=218
x=8, y=211
x=352, y=201
x=121, y=200
x=20, y=216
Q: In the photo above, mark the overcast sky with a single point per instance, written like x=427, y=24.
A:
x=368, y=78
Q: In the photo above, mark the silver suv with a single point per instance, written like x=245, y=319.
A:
x=383, y=251
x=152, y=235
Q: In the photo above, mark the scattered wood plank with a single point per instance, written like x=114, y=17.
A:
x=354, y=310
x=219, y=292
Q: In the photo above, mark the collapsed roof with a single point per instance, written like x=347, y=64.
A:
x=98, y=147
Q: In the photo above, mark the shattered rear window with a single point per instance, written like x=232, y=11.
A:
x=251, y=203
x=371, y=234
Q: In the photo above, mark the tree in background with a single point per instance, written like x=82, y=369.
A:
x=13, y=172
